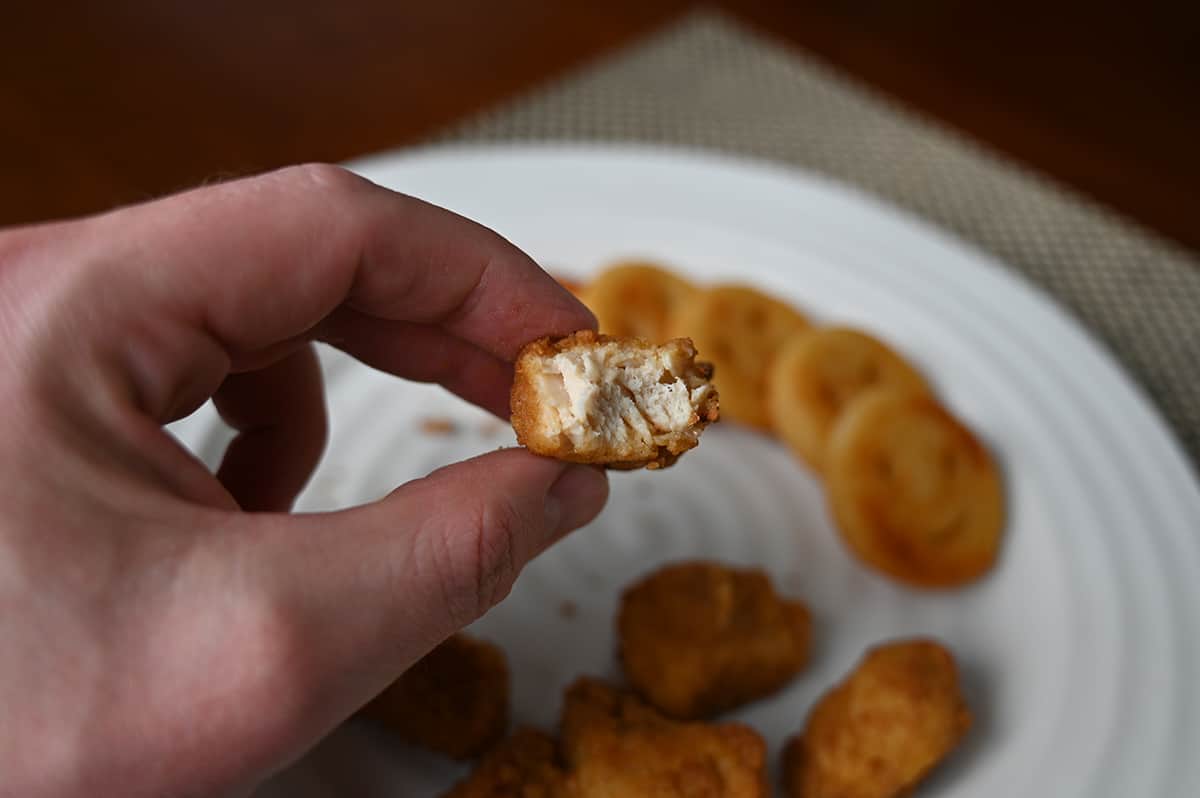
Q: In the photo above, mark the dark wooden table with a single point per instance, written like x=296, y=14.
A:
x=108, y=102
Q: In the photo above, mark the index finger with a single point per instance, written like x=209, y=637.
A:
x=264, y=260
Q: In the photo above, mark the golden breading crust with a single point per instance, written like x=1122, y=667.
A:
x=523, y=766
x=616, y=747
x=454, y=700
x=618, y=402
x=883, y=729
x=698, y=638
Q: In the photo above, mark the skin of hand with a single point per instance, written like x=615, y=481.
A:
x=167, y=631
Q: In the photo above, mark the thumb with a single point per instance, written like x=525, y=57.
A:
x=363, y=593
x=474, y=525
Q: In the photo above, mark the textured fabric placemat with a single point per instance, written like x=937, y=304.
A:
x=706, y=82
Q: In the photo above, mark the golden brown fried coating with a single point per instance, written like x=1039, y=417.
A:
x=619, y=402
x=739, y=329
x=615, y=746
x=637, y=299
x=523, y=766
x=914, y=493
x=454, y=700
x=880, y=731
x=819, y=372
x=698, y=638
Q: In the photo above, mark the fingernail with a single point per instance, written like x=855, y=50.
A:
x=575, y=498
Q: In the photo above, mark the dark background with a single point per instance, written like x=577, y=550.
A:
x=109, y=102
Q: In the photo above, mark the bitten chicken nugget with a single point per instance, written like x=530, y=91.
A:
x=620, y=402
x=883, y=729
x=523, y=766
x=698, y=638
x=615, y=746
x=454, y=700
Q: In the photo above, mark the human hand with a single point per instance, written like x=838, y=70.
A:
x=157, y=639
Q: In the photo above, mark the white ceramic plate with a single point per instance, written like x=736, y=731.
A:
x=1081, y=651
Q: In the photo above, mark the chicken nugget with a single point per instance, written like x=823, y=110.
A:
x=880, y=731
x=523, y=766
x=915, y=494
x=615, y=746
x=698, y=638
x=454, y=700
x=619, y=402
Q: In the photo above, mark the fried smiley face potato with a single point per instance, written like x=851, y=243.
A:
x=618, y=402
x=699, y=638
x=454, y=700
x=914, y=493
x=523, y=766
x=819, y=372
x=637, y=299
x=615, y=746
x=879, y=732
x=739, y=329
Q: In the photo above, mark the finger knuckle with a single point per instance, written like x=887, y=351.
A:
x=479, y=559
x=328, y=177
x=277, y=666
x=502, y=527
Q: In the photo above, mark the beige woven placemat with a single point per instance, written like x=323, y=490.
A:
x=707, y=82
